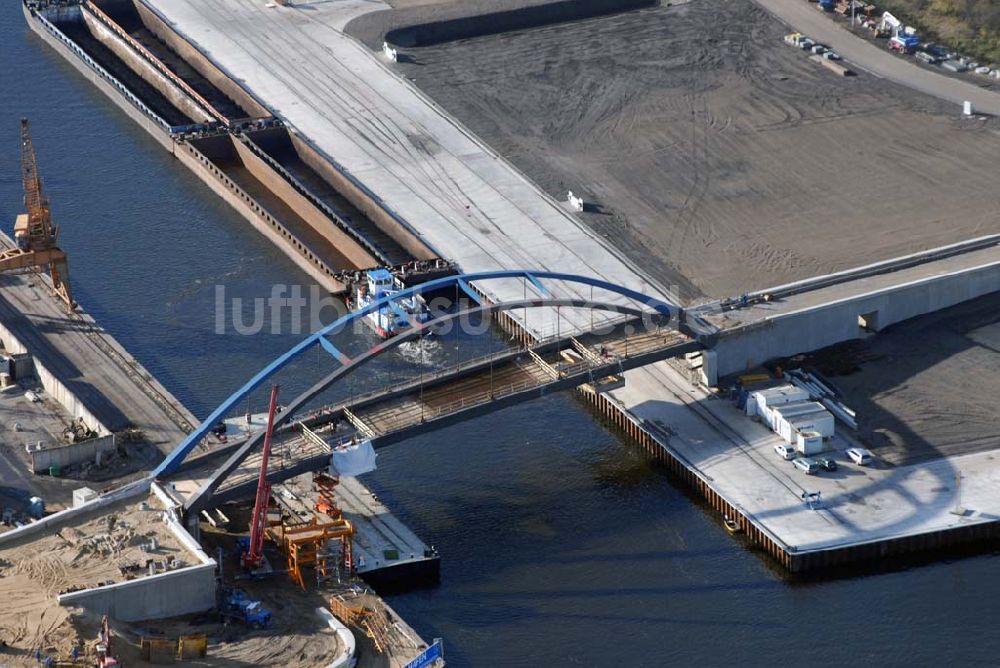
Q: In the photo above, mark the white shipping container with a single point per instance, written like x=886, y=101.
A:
x=809, y=443
x=789, y=427
x=775, y=396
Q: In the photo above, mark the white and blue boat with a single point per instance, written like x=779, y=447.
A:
x=397, y=316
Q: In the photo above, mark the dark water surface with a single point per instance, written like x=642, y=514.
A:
x=559, y=545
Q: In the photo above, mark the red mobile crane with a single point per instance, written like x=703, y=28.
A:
x=253, y=558
x=105, y=659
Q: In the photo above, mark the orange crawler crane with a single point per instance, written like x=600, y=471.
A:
x=34, y=233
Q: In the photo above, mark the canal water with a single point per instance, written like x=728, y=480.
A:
x=560, y=545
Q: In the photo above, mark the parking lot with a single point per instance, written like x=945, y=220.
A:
x=854, y=504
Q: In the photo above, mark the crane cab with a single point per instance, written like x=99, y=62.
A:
x=21, y=231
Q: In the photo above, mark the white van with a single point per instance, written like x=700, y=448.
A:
x=860, y=456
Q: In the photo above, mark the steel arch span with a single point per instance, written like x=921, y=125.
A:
x=200, y=499
x=655, y=305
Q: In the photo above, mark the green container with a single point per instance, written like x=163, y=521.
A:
x=54, y=470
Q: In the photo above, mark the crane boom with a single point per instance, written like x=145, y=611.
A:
x=34, y=233
x=41, y=233
x=253, y=558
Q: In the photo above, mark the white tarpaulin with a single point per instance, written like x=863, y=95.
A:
x=353, y=460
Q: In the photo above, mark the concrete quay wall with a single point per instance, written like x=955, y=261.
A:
x=811, y=561
x=52, y=385
x=816, y=327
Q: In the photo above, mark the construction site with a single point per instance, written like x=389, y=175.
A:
x=117, y=564
x=773, y=272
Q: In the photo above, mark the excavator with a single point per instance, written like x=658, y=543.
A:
x=34, y=234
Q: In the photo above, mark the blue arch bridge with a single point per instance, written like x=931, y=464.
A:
x=632, y=330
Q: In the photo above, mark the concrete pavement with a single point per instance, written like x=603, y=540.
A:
x=466, y=202
x=735, y=455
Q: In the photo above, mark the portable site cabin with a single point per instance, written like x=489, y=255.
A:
x=790, y=419
x=762, y=402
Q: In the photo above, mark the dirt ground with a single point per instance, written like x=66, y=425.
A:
x=32, y=575
x=718, y=158
x=925, y=388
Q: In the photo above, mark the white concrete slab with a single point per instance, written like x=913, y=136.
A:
x=470, y=205
x=859, y=504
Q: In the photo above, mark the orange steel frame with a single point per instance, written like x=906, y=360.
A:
x=302, y=545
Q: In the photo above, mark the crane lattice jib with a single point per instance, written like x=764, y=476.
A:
x=255, y=554
x=39, y=218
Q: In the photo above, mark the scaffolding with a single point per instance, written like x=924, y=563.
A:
x=314, y=544
x=373, y=620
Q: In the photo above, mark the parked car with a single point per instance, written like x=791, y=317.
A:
x=925, y=57
x=819, y=49
x=808, y=464
x=828, y=463
x=860, y=456
x=939, y=52
x=784, y=451
x=831, y=55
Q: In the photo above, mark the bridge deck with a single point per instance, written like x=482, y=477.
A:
x=453, y=394
x=411, y=409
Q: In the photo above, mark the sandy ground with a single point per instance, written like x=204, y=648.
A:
x=33, y=574
x=718, y=158
x=928, y=387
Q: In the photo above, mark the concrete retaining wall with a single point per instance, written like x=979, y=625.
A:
x=492, y=23
x=364, y=200
x=814, y=328
x=66, y=455
x=180, y=592
x=75, y=516
x=200, y=63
